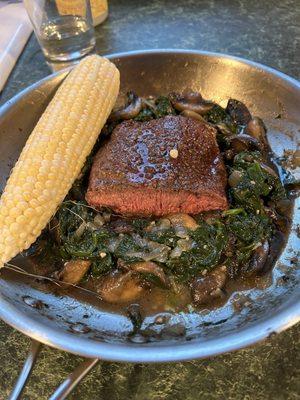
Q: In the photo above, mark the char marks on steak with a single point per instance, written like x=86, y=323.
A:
x=134, y=173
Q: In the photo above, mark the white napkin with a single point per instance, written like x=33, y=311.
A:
x=15, y=29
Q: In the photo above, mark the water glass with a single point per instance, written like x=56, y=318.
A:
x=64, y=28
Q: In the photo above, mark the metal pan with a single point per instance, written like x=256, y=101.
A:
x=74, y=322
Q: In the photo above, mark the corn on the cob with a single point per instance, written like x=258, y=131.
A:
x=55, y=153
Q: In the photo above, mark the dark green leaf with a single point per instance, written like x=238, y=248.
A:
x=163, y=107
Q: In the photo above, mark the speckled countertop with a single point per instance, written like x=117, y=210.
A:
x=267, y=31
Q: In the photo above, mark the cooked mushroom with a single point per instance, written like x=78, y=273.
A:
x=192, y=114
x=73, y=271
x=268, y=169
x=234, y=178
x=99, y=220
x=281, y=220
x=209, y=286
x=223, y=129
x=181, y=223
x=161, y=225
x=148, y=102
x=182, y=245
x=256, y=128
x=238, y=112
x=149, y=267
x=283, y=206
x=80, y=230
x=275, y=247
x=192, y=101
x=259, y=258
x=185, y=244
x=176, y=252
x=131, y=110
x=106, y=216
x=183, y=220
x=243, y=142
x=119, y=287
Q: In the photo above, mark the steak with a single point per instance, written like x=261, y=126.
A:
x=159, y=167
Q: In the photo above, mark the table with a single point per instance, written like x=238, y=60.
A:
x=266, y=31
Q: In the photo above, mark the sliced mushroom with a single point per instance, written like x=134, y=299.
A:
x=193, y=114
x=279, y=219
x=161, y=225
x=149, y=102
x=149, y=267
x=234, y=178
x=80, y=230
x=259, y=258
x=73, y=271
x=238, y=112
x=192, y=101
x=256, y=128
x=243, y=142
x=268, y=169
x=158, y=252
x=185, y=244
x=182, y=245
x=176, y=252
x=131, y=110
x=184, y=220
x=275, y=247
x=99, y=220
x=223, y=129
x=119, y=287
x=283, y=206
x=106, y=216
x=209, y=286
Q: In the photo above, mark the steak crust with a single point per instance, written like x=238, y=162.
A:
x=158, y=167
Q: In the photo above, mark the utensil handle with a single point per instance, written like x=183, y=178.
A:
x=64, y=389
x=73, y=379
x=26, y=370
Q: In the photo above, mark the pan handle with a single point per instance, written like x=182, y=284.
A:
x=73, y=379
x=26, y=370
x=64, y=389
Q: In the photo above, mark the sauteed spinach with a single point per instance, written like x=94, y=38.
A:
x=164, y=253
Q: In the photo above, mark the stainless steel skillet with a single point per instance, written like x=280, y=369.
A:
x=76, y=324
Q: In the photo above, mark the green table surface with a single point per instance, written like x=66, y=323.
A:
x=267, y=31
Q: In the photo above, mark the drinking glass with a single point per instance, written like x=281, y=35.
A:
x=64, y=28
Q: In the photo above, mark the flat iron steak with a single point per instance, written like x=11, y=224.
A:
x=158, y=167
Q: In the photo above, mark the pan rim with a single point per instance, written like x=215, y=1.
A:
x=142, y=353
x=287, y=317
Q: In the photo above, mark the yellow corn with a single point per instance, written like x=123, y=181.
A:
x=55, y=153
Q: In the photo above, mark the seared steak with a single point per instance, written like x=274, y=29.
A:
x=162, y=166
